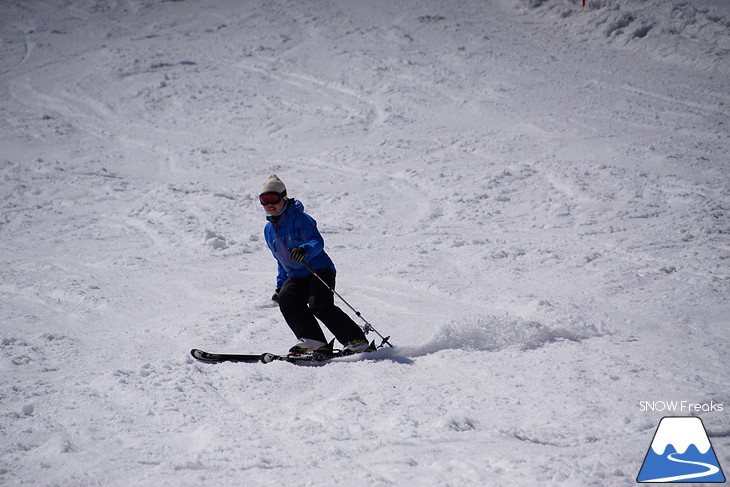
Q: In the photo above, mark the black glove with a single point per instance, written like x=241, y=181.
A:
x=275, y=297
x=297, y=254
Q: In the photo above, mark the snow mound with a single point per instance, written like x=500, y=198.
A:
x=693, y=33
x=493, y=333
x=216, y=241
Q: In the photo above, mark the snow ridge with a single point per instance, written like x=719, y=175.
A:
x=493, y=333
x=672, y=29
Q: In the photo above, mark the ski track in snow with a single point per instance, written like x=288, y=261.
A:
x=530, y=198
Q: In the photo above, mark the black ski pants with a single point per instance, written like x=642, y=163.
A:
x=303, y=299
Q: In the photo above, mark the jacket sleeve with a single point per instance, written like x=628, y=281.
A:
x=281, y=276
x=313, y=241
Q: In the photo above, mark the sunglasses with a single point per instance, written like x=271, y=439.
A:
x=270, y=198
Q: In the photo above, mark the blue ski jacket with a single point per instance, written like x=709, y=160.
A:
x=291, y=229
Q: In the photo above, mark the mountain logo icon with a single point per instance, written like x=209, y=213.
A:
x=681, y=452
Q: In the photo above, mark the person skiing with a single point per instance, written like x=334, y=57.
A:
x=293, y=238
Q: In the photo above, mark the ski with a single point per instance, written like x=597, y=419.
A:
x=306, y=358
x=214, y=358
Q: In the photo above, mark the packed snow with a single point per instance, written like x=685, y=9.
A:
x=531, y=198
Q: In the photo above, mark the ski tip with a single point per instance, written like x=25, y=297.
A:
x=202, y=356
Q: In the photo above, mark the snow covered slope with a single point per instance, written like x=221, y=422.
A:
x=530, y=197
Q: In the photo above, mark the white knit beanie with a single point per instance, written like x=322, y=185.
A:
x=273, y=185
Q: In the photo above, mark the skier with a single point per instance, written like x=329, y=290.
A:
x=294, y=240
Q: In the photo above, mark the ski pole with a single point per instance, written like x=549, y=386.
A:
x=368, y=327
